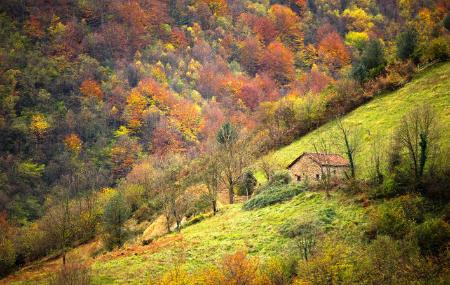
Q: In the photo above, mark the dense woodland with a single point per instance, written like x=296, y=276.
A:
x=141, y=108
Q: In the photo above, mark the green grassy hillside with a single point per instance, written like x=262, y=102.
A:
x=232, y=229
x=382, y=115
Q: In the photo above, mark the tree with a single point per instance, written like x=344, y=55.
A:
x=7, y=250
x=247, y=184
x=210, y=174
x=333, y=52
x=372, y=61
x=59, y=221
x=114, y=217
x=233, y=157
x=349, y=141
x=417, y=134
x=90, y=89
x=447, y=21
x=278, y=62
x=407, y=43
x=323, y=146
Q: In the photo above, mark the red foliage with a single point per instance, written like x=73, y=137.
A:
x=165, y=139
x=314, y=81
x=264, y=29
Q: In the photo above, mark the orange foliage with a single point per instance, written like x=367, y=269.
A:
x=287, y=24
x=235, y=269
x=33, y=27
x=217, y=7
x=333, y=52
x=278, y=61
x=73, y=143
x=90, y=88
x=123, y=155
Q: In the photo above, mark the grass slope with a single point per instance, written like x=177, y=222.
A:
x=382, y=115
x=232, y=229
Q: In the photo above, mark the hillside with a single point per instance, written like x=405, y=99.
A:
x=232, y=229
x=379, y=118
x=258, y=231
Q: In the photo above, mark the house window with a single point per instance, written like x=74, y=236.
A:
x=334, y=171
x=317, y=176
x=299, y=178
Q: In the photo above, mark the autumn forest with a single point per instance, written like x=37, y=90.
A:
x=142, y=134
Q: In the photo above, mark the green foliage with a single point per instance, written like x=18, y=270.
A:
x=438, y=49
x=280, y=177
x=433, y=236
x=227, y=134
x=447, y=21
x=407, y=43
x=7, y=256
x=372, y=61
x=247, y=184
x=273, y=194
x=114, y=217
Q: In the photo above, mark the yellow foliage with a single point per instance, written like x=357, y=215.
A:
x=39, y=125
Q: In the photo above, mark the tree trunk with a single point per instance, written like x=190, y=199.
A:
x=214, y=207
x=231, y=195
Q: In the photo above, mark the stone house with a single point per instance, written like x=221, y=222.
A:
x=315, y=166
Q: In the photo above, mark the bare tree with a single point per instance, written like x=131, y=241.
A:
x=209, y=173
x=376, y=158
x=233, y=157
x=349, y=141
x=59, y=221
x=417, y=134
x=322, y=146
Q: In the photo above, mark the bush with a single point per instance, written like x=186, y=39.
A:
x=7, y=256
x=437, y=49
x=390, y=220
x=433, y=236
x=247, y=184
x=71, y=274
x=407, y=43
x=115, y=215
x=273, y=194
x=281, y=177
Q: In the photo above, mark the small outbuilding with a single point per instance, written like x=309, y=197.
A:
x=315, y=166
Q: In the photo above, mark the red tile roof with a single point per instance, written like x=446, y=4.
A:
x=323, y=159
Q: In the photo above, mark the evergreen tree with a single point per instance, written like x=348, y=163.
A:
x=407, y=43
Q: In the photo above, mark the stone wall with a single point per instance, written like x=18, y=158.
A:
x=306, y=168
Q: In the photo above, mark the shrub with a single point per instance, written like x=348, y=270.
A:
x=273, y=194
x=390, y=220
x=71, y=274
x=304, y=235
x=281, y=177
x=437, y=49
x=247, y=184
x=407, y=43
x=278, y=270
x=7, y=256
x=433, y=236
x=115, y=215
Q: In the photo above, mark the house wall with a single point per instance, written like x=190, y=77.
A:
x=306, y=168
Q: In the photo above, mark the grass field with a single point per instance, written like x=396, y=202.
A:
x=256, y=232
x=379, y=118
